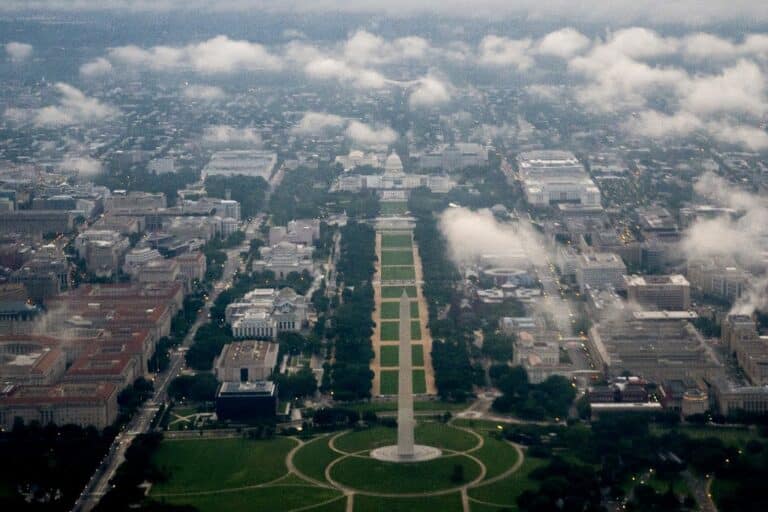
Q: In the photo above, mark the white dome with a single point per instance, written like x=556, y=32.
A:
x=393, y=164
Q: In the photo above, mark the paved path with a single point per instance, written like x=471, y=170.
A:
x=426, y=336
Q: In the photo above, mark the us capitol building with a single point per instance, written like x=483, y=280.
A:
x=393, y=181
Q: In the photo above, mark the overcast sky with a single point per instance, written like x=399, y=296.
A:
x=692, y=12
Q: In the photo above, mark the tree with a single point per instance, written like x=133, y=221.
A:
x=300, y=384
x=198, y=388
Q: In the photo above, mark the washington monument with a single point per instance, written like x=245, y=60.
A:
x=405, y=422
x=406, y=450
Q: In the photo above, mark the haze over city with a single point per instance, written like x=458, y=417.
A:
x=368, y=256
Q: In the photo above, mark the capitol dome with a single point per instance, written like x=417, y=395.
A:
x=393, y=165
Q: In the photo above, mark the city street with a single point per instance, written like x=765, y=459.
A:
x=99, y=484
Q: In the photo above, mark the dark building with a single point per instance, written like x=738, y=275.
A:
x=241, y=401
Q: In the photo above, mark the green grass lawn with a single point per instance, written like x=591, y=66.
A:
x=274, y=499
x=497, y=455
x=210, y=464
x=395, y=240
x=396, y=258
x=390, y=355
x=372, y=475
x=390, y=331
x=393, y=208
x=444, y=503
x=389, y=382
x=391, y=310
x=312, y=458
x=397, y=273
x=427, y=432
x=394, y=292
x=506, y=491
x=422, y=405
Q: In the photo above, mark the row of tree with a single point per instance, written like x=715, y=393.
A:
x=454, y=373
x=351, y=376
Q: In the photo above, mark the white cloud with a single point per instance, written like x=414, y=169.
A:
x=219, y=54
x=315, y=123
x=74, y=107
x=204, y=93
x=18, y=52
x=563, y=43
x=639, y=43
x=743, y=135
x=84, y=165
x=225, y=135
x=739, y=89
x=621, y=82
x=97, y=67
x=658, y=125
x=703, y=46
x=429, y=91
x=328, y=68
x=500, y=51
x=224, y=55
x=369, y=136
x=364, y=48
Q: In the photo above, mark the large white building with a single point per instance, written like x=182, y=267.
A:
x=600, y=270
x=453, y=157
x=251, y=162
x=670, y=292
x=246, y=361
x=301, y=231
x=394, y=178
x=284, y=258
x=551, y=177
x=264, y=313
x=357, y=158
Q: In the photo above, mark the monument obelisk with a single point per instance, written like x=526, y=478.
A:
x=405, y=421
x=405, y=450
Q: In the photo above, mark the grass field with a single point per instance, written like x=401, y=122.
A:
x=396, y=258
x=210, y=464
x=274, y=499
x=391, y=310
x=390, y=331
x=394, y=292
x=372, y=475
x=389, y=382
x=397, y=273
x=393, y=207
x=313, y=457
x=505, y=491
x=445, y=503
x=428, y=432
x=424, y=405
x=390, y=355
x=497, y=455
x=395, y=240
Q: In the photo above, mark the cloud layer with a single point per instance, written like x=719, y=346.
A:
x=18, y=52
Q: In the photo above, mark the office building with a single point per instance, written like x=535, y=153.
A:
x=284, y=258
x=90, y=404
x=552, y=177
x=670, y=292
x=600, y=271
x=252, y=163
x=242, y=401
x=246, y=361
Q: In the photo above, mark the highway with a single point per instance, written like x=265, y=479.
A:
x=99, y=483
